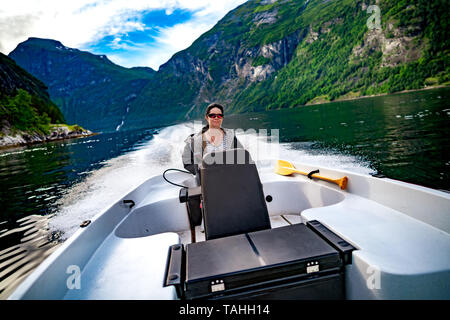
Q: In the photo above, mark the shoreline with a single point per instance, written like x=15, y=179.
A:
x=379, y=95
x=57, y=133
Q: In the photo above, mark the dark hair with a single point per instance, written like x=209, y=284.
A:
x=213, y=105
x=208, y=109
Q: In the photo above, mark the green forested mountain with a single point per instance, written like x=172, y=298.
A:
x=90, y=89
x=24, y=100
x=265, y=54
x=339, y=57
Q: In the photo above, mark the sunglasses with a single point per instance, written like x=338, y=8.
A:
x=215, y=115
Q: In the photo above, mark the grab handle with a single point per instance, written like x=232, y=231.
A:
x=129, y=202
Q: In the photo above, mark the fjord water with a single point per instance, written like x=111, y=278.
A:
x=47, y=190
x=404, y=136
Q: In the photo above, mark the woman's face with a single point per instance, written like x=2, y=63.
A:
x=214, y=122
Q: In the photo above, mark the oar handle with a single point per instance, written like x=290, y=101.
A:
x=342, y=183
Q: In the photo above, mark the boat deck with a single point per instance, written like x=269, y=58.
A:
x=275, y=221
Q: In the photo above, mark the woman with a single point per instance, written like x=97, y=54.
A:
x=211, y=138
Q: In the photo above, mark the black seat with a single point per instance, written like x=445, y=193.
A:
x=233, y=198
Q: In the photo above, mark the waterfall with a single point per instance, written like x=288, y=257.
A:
x=123, y=119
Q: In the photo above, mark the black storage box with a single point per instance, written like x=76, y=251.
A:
x=292, y=262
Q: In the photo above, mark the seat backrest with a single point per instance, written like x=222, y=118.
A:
x=233, y=198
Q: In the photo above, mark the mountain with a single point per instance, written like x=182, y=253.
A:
x=90, y=89
x=264, y=54
x=274, y=54
x=24, y=101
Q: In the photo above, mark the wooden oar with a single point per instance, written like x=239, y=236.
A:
x=286, y=168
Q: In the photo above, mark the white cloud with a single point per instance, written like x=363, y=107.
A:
x=174, y=39
x=82, y=22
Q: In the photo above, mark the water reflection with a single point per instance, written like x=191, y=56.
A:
x=18, y=261
x=403, y=136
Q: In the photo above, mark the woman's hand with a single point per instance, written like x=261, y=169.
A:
x=214, y=136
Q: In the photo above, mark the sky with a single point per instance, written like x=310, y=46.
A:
x=131, y=33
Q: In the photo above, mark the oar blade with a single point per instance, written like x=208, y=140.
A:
x=284, y=168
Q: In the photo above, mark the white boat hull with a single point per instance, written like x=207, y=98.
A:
x=401, y=232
